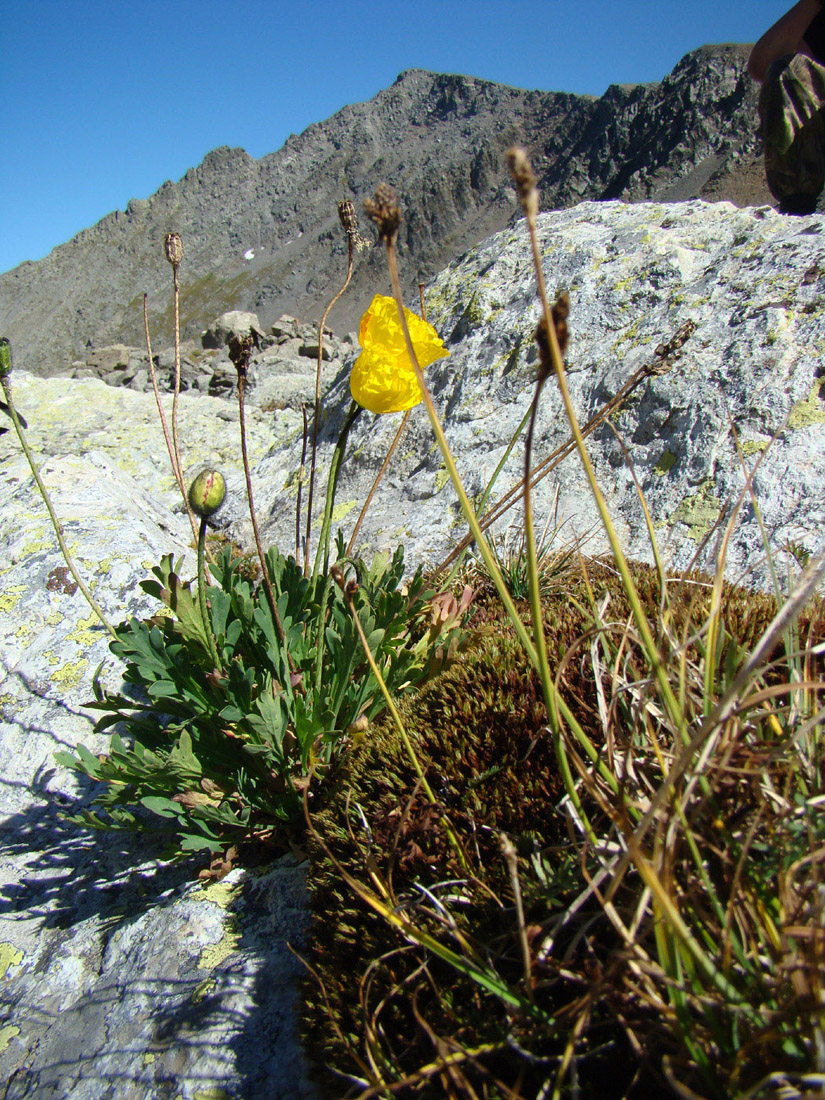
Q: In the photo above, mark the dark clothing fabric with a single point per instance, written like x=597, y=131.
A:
x=792, y=112
x=815, y=37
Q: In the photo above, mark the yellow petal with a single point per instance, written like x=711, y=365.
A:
x=383, y=379
x=382, y=385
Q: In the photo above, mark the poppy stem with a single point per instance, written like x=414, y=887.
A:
x=176, y=470
x=58, y=529
x=377, y=481
x=317, y=413
x=449, y=462
x=204, y=610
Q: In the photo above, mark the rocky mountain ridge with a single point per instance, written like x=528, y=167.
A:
x=263, y=235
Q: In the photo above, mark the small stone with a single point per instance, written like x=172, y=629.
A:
x=234, y=323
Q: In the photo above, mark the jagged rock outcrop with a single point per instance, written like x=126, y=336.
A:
x=117, y=975
x=263, y=235
x=281, y=372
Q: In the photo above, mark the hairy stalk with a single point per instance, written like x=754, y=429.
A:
x=348, y=590
x=459, y=552
x=671, y=703
x=322, y=555
x=241, y=363
x=176, y=395
x=207, y=621
x=405, y=418
x=176, y=470
x=449, y=462
x=346, y=215
x=58, y=529
x=301, y=471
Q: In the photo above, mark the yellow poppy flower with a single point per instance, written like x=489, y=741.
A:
x=383, y=379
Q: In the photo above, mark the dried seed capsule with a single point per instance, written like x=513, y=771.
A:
x=347, y=216
x=173, y=247
x=383, y=209
x=522, y=172
x=206, y=493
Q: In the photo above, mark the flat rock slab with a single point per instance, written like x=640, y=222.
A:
x=120, y=975
x=750, y=280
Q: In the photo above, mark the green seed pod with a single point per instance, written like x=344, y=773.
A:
x=5, y=357
x=206, y=493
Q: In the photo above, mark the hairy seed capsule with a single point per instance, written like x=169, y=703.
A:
x=522, y=172
x=206, y=493
x=173, y=247
x=347, y=216
x=384, y=210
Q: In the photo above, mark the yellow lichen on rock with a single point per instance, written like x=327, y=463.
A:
x=216, y=953
x=9, y=954
x=6, y=1035
x=810, y=411
x=71, y=673
x=11, y=597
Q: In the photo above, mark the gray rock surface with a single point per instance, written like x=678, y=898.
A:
x=749, y=279
x=236, y=322
x=119, y=976
x=263, y=235
x=281, y=371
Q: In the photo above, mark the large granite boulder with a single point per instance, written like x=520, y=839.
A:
x=120, y=975
x=749, y=280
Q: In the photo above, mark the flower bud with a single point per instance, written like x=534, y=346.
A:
x=173, y=247
x=5, y=357
x=206, y=493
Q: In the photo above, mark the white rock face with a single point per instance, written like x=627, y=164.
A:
x=118, y=975
x=751, y=283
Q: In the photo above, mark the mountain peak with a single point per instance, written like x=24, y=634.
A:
x=263, y=234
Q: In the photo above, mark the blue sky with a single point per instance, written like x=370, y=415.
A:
x=103, y=100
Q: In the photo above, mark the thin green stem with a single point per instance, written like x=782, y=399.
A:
x=317, y=414
x=399, y=725
x=465, y=545
x=207, y=620
x=301, y=471
x=321, y=569
x=267, y=583
x=404, y=420
x=548, y=687
x=176, y=470
x=322, y=554
x=58, y=529
x=175, y=269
